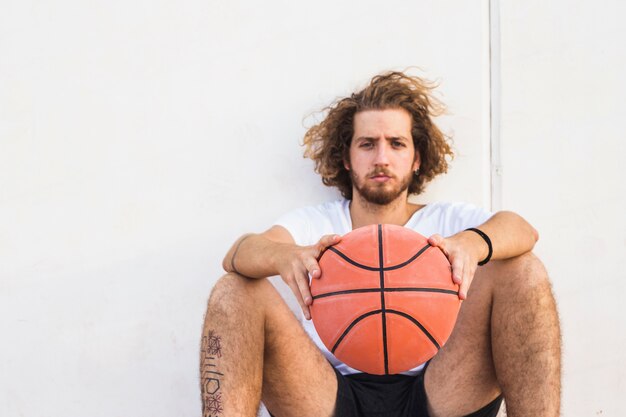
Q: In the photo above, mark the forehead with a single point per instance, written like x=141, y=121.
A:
x=387, y=122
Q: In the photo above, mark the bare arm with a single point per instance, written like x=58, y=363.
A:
x=509, y=233
x=510, y=236
x=256, y=255
x=274, y=252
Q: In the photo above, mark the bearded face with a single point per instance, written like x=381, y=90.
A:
x=382, y=155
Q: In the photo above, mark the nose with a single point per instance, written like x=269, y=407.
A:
x=382, y=153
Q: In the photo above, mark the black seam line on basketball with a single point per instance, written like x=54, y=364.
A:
x=381, y=263
x=366, y=290
x=439, y=290
x=330, y=294
x=411, y=259
x=358, y=265
x=418, y=324
x=354, y=322
x=388, y=268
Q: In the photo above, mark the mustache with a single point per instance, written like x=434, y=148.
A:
x=380, y=172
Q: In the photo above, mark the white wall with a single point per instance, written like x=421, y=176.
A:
x=563, y=88
x=139, y=139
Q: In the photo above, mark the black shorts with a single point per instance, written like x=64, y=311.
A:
x=365, y=395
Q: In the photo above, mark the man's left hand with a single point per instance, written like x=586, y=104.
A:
x=464, y=252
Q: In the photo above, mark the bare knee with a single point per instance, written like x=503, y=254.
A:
x=233, y=291
x=230, y=283
x=521, y=273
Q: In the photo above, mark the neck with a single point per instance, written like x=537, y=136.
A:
x=364, y=213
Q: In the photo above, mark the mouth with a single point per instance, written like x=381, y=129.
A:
x=380, y=177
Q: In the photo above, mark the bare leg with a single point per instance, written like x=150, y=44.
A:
x=507, y=339
x=254, y=348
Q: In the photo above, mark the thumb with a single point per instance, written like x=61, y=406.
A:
x=436, y=240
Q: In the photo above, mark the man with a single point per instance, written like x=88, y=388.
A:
x=378, y=146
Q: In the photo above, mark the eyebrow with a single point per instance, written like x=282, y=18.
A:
x=388, y=138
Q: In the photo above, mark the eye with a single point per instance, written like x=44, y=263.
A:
x=366, y=145
x=398, y=144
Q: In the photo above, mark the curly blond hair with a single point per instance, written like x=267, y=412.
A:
x=328, y=143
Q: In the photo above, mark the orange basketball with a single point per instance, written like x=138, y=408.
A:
x=385, y=301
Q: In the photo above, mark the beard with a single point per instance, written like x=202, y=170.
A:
x=380, y=194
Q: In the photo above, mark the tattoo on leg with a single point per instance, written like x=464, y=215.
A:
x=214, y=403
x=214, y=344
x=211, y=395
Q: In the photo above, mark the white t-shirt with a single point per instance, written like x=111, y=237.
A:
x=308, y=224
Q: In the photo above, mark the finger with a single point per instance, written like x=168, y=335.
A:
x=463, y=290
x=457, y=271
x=465, y=281
x=313, y=268
x=296, y=291
x=470, y=271
x=302, y=280
x=326, y=241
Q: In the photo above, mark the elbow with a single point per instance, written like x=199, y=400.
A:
x=528, y=229
x=535, y=234
x=226, y=264
x=534, y=237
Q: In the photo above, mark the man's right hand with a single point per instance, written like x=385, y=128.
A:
x=297, y=263
x=274, y=252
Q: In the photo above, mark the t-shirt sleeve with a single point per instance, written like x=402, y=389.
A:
x=298, y=224
x=461, y=216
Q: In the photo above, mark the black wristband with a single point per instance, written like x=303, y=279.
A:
x=486, y=238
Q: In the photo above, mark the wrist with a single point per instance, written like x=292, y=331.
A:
x=484, y=248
